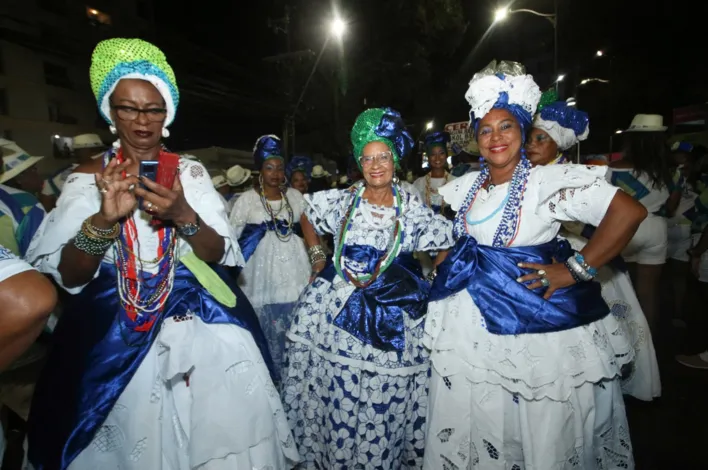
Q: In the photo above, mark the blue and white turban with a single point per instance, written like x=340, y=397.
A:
x=503, y=85
x=566, y=125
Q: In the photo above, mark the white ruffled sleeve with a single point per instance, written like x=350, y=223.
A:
x=324, y=209
x=204, y=199
x=573, y=193
x=79, y=200
x=455, y=192
x=432, y=232
x=240, y=211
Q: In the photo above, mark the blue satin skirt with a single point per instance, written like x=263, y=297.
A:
x=95, y=354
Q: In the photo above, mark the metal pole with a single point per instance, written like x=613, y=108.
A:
x=555, y=43
x=309, y=79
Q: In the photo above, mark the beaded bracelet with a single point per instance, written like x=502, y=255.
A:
x=573, y=273
x=91, y=245
x=92, y=231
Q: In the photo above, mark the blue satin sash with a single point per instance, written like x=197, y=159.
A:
x=253, y=234
x=375, y=314
x=94, y=357
x=509, y=308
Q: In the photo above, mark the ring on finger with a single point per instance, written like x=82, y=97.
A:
x=545, y=282
x=541, y=272
x=149, y=205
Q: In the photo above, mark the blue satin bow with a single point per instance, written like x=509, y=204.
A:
x=375, y=314
x=509, y=308
x=393, y=128
x=95, y=356
x=253, y=234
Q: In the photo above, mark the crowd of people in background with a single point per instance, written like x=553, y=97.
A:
x=489, y=311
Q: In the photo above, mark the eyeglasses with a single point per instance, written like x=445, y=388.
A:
x=381, y=157
x=128, y=113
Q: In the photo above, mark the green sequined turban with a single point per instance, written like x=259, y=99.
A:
x=118, y=58
x=381, y=125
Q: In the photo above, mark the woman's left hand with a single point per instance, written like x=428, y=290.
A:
x=164, y=203
x=557, y=274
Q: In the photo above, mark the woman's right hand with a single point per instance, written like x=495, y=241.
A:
x=117, y=193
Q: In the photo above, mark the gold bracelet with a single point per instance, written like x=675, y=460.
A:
x=92, y=231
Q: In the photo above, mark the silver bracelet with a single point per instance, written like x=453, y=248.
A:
x=578, y=269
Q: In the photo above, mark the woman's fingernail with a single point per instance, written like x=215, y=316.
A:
x=518, y=279
x=521, y=265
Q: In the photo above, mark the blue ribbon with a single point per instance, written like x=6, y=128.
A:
x=509, y=308
x=253, y=234
x=95, y=356
x=375, y=314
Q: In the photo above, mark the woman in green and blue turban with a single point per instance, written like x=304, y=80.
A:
x=355, y=343
x=159, y=360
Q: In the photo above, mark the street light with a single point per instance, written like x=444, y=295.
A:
x=338, y=27
x=585, y=81
x=560, y=78
x=503, y=13
x=618, y=131
x=599, y=53
x=429, y=125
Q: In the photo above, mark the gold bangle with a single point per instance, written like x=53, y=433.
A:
x=92, y=231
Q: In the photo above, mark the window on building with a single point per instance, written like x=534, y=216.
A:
x=97, y=17
x=57, y=113
x=57, y=75
x=3, y=102
x=7, y=134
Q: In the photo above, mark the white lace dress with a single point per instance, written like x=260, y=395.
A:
x=277, y=271
x=640, y=378
x=546, y=401
x=228, y=415
x=350, y=404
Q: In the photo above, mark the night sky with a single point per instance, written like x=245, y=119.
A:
x=654, y=58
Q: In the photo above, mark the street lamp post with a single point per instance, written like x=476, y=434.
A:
x=502, y=13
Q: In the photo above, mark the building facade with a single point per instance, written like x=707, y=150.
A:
x=45, y=52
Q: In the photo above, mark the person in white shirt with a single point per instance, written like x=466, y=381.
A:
x=427, y=186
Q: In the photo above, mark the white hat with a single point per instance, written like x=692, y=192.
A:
x=318, y=171
x=219, y=181
x=87, y=141
x=647, y=123
x=14, y=160
x=565, y=124
x=237, y=175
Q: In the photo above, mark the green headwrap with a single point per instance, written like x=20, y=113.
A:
x=381, y=125
x=548, y=97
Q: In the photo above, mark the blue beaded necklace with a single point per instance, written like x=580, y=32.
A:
x=508, y=226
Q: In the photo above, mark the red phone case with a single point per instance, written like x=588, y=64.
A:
x=167, y=169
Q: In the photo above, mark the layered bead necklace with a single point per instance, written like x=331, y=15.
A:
x=285, y=204
x=511, y=205
x=132, y=277
x=429, y=191
x=394, y=245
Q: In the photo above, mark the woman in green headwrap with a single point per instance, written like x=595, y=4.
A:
x=356, y=377
x=158, y=361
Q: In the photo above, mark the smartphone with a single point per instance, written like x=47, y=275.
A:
x=148, y=169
